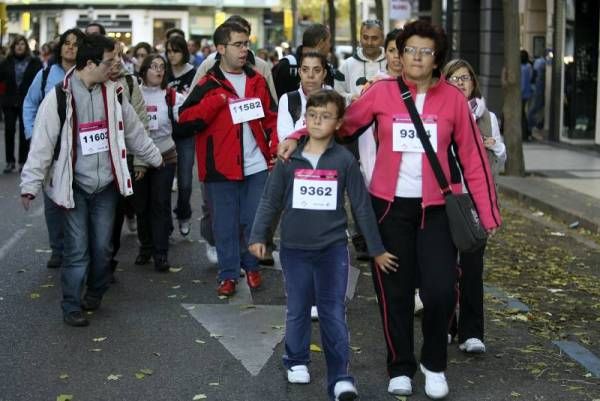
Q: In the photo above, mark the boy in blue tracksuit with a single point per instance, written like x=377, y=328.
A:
x=310, y=190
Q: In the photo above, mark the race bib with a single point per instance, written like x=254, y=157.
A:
x=243, y=110
x=93, y=137
x=152, y=112
x=405, y=138
x=315, y=189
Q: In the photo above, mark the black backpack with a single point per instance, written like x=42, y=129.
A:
x=45, y=73
x=294, y=105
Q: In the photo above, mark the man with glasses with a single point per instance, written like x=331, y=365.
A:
x=368, y=60
x=234, y=116
x=81, y=135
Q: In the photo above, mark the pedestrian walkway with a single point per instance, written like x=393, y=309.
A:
x=564, y=182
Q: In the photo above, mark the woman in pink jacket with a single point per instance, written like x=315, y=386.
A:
x=409, y=204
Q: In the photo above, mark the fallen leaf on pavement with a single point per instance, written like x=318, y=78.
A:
x=401, y=397
x=175, y=287
x=277, y=327
x=114, y=377
x=34, y=295
x=213, y=384
x=175, y=269
x=515, y=394
x=200, y=342
x=64, y=397
x=315, y=348
x=248, y=307
x=222, y=296
x=213, y=335
x=139, y=375
x=199, y=397
x=99, y=339
x=147, y=372
x=95, y=349
x=63, y=376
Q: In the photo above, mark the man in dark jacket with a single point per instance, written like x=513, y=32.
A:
x=316, y=38
x=16, y=72
x=235, y=118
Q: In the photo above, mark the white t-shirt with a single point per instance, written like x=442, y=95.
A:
x=254, y=161
x=409, y=184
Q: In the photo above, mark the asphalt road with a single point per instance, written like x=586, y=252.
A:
x=157, y=336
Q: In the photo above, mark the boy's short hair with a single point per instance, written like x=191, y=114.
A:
x=325, y=96
x=314, y=34
x=223, y=32
x=92, y=48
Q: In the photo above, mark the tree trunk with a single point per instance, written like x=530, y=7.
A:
x=436, y=12
x=353, y=35
x=379, y=9
x=331, y=17
x=511, y=86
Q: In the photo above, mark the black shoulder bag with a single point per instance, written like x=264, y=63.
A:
x=465, y=228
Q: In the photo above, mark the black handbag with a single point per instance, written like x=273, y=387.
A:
x=465, y=227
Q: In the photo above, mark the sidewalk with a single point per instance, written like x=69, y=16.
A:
x=563, y=182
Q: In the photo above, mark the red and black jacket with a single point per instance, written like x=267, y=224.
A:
x=219, y=142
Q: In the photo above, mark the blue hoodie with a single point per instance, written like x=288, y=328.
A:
x=34, y=95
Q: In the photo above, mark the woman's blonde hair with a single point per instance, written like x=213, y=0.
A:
x=453, y=65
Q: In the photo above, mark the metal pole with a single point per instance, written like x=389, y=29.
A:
x=556, y=98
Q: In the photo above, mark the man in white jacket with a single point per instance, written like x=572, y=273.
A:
x=368, y=60
x=81, y=135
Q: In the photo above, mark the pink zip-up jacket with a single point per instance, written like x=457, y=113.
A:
x=382, y=101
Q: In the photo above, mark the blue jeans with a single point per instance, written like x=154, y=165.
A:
x=233, y=205
x=88, y=230
x=322, y=276
x=185, y=165
x=54, y=222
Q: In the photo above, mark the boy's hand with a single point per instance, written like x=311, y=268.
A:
x=258, y=249
x=386, y=262
x=285, y=148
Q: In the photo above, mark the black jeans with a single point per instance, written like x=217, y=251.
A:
x=153, y=209
x=470, y=316
x=425, y=252
x=11, y=114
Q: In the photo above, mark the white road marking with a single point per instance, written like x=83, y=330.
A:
x=250, y=334
x=11, y=242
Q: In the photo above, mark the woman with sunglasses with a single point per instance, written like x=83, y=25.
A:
x=152, y=186
x=470, y=317
x=409, y=205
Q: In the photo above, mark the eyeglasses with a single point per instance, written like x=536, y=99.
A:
x=373, y=22
x=239, y=45
x=311, y=115
x=423, y=51
x=157, y=67
x=463, y=78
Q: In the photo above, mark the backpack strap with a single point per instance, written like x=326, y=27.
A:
x=61, y=102
x=170, y=99
x=45, y=73
x=129, y=80
x=294, y=105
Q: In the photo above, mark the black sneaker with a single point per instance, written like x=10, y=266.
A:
x=161, y=263
x=142, y=259
x=75, y=319
x=54, y=262
x=90, y=303
x=10, y=167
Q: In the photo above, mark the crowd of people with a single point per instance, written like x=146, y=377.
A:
x=106, y=137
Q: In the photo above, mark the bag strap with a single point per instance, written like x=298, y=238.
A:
x=45, y=73
x=170, y=98
x=416, y=120
x=294, y=105
x=61, y=103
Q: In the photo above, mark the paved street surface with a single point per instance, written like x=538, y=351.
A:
x=169, y=337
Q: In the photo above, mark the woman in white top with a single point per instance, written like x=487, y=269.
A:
x=152, y=186
x=292, y=105
x=469, y=325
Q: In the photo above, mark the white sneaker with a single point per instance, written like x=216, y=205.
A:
x=418, y=303
x=131, y=224
x=344, y=390
x=174, y=186
x=298, y=374
x=211, y=254
x=449, y=338
x=472, y=346
x=184, y=227
x=400, y=385
x=436, y=386
x=314, y=313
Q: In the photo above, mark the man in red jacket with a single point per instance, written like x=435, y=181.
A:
x=232, y=112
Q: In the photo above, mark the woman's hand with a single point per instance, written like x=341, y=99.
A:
x=386, y=262
x=286, y=148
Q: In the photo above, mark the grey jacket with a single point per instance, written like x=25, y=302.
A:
x=316, y=229
x=125, y=132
